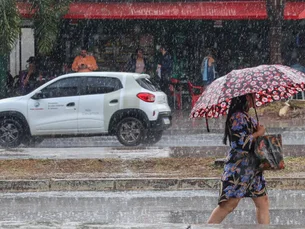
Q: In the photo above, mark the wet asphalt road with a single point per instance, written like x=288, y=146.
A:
x=196, y=145
x=207, y=139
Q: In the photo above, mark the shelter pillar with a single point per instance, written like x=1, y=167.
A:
x=275, y=10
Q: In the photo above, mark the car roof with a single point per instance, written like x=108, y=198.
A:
x=119, y=75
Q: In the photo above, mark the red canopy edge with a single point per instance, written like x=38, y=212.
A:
x=220, y=10
x=294, y=10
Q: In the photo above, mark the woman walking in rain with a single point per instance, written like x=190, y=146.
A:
x=241, y=177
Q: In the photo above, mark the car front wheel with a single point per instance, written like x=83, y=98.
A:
x=130, y=131
x=11, y=132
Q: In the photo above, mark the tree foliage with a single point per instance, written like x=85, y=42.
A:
x=47, y=17
x=9, y=25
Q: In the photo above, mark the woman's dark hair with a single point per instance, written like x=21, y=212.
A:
x=237, y=104
x=137, y=50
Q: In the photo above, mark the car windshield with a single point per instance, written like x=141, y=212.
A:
x=147, y=84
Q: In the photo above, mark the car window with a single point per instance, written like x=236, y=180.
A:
x=102, y=85
x=62, y=88
x=147, y=84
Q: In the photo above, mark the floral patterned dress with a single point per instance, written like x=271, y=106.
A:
x=241, y=176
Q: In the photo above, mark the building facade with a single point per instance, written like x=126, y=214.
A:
x=245, y=33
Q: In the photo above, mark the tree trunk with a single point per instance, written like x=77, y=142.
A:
x=275, y=9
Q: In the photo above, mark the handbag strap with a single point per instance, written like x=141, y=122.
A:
x=230, y=132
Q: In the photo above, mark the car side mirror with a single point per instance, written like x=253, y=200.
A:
x=37, y=95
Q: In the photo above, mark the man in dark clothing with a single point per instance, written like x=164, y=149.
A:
x=9, y=84
x=165, y=65
x=30, y=78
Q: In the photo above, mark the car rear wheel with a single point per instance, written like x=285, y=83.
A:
x=130, y=131
x=11, y=132
x=153, y=137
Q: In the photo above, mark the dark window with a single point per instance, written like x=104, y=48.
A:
x=62, y=88
x=147, y=84
x=102, y=85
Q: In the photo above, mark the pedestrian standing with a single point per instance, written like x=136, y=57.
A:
x=29, y=81
x=208, y=68
x=241, y=177
x=137, y=63
x=10, y=81
x=84, y=62
x=165, y=68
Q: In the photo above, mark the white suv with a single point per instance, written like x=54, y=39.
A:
x=127, y=105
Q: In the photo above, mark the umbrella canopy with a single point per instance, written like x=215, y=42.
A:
x=269, y=82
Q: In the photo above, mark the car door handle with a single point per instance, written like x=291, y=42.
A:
x=71, y=104
x=114, y=101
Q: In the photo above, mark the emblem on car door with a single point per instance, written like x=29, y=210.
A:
x=36, y=107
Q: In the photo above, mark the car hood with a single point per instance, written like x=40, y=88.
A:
x=12, y=99
x=14, y=103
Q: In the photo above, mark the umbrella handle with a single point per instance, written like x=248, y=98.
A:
x=254, y=106
x=207, y=124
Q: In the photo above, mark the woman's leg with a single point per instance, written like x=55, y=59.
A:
x=262, y=209
x=222, y=210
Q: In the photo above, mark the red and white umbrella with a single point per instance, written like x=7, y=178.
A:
x=269, y=82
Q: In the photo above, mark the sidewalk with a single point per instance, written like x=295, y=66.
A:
x=183, y=124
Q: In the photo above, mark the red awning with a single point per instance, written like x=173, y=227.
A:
x=165, y=10
x=294, y=10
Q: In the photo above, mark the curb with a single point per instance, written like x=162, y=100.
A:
x=134, y=184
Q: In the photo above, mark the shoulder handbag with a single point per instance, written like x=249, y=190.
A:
x=269, y=151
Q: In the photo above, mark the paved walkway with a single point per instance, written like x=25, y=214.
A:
x=142, y=209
